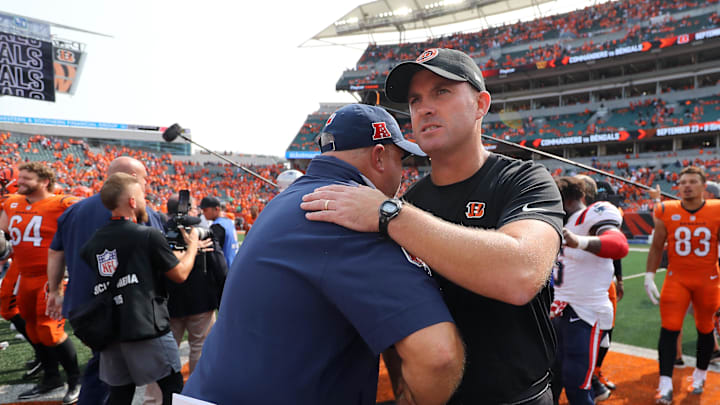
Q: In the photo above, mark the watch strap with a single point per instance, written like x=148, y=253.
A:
x=385, y=218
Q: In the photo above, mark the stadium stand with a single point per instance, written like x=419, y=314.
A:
x=305, y=139
x=638, y=101
x=582, y=31
x=635, y=90
x=80, y=170
x=644, y=113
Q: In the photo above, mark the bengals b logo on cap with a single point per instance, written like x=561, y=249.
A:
x=427, y=55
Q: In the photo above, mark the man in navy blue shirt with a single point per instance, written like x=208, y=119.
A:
x=75, y=227
x=308, y=307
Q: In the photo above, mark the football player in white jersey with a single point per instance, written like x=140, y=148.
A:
x=582, y=311
x=601, y=191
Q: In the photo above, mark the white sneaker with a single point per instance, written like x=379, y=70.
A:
x=664, y=398
x=696, y=387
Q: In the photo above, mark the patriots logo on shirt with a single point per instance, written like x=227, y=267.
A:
x=599, y=208
x=107, y=262
x=417, y=261
x=475, y=210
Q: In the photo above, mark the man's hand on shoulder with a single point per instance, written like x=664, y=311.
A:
x=356, y=208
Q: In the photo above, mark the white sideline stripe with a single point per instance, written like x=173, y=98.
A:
x=641, y=275
x=652, y=354
x=635, y=249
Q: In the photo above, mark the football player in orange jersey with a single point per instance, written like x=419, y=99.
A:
x=8, y=307
x=8, y=298
x=30, y=219
x=690, y=227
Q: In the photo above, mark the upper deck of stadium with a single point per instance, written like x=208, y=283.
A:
x=615, y=78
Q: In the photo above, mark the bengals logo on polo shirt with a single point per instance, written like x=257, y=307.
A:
x=475, y=210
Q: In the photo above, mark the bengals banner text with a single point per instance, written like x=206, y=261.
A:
x=26, y=67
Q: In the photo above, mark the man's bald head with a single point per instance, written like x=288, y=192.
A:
x=131, y=166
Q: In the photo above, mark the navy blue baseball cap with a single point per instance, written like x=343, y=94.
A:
x=360, y=125
x=448, y=63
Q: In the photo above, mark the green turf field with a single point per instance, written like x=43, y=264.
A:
x=638, y=323
x=638, y=320
x=12, y=359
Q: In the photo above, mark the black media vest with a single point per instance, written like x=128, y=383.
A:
x=130, y=262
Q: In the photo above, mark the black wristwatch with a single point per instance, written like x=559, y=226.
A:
x=389, y=209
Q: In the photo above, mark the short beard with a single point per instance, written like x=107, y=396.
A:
x=27, y=190
x=141, y=215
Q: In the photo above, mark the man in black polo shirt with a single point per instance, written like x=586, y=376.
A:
x=130, y=262
x=488, y=226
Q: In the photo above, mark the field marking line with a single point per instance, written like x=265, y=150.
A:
x=652, y=354
x=636, y=249
x=641, y=275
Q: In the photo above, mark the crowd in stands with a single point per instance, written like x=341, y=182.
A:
x=635, y=199
x=80, y=170
x=587, y=23
x=82, y=174
x=245, y=196
x=650, y=113
x=305, y=139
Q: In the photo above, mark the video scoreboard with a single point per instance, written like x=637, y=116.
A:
x=33, y=64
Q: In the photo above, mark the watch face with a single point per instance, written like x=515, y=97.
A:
x=389, y=207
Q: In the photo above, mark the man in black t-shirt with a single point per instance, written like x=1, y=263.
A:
x=130, y=262
x=487, y=225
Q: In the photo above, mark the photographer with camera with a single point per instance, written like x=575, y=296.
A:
x=222, y=227
x=192, y=304
x=130, y=262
